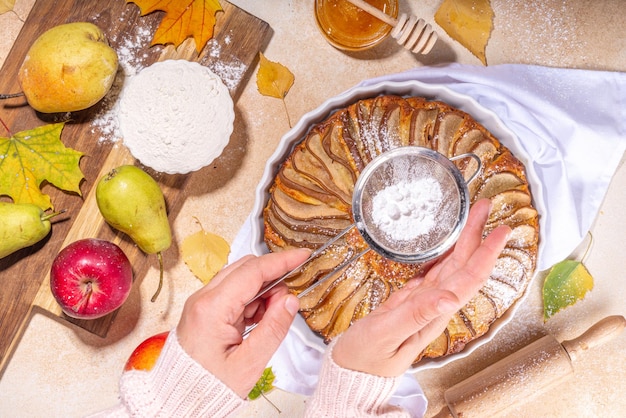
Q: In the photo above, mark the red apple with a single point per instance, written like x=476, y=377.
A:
x=90, y=278
x=145, y=356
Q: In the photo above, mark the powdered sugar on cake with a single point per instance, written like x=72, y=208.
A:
x=407, y=210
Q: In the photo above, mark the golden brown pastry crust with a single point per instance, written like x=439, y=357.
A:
x=311, y=202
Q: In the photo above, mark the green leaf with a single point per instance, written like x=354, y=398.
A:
x=264, y=384
x=566, y=283
x=29, y=158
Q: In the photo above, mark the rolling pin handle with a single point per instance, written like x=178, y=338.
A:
x=598, y=334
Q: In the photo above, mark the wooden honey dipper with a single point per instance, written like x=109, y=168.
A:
x=411, y=32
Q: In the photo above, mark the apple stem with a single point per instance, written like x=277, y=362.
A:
x=52, y=215
x=84, y=301
x=156, y=294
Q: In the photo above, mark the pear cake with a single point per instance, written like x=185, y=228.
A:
x=310, y=202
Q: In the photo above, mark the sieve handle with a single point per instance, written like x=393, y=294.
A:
x=334, y=271
x=309, y=289
x=279, y=280
x=473, y=156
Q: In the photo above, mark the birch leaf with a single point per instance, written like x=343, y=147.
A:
x=183, y=19
x=273, y=79
x=566, y=283
x=205, y=254
x=30, y=158
x=468, y=22
x=6, y=6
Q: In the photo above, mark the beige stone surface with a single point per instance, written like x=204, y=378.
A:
x=62, y=371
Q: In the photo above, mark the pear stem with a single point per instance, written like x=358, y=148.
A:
x=156, y=294
x=10, y=96
x=52, y=215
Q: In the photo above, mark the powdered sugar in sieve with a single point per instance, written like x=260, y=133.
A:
x=410, y=204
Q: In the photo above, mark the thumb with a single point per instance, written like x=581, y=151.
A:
x=273, y=327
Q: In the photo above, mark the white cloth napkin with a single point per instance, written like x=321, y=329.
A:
x=573, y=125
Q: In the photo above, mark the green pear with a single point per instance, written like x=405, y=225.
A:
x=69, y=67
x=22, y=225
x=132, y=202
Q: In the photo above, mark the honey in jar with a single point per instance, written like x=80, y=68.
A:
x=347, y=27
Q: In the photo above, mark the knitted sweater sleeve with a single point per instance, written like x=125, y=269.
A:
x=346, y=393
x=176, y=386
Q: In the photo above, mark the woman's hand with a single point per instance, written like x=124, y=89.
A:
x=214, y=318
x=387, y=341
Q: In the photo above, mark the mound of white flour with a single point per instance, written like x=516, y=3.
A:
x=176, y=116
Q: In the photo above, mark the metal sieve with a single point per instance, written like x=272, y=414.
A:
x=425, y=223
x=413, y=167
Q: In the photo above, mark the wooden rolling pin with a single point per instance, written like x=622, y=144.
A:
x=516, y=378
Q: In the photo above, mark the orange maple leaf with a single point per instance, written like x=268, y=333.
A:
x=183, y=19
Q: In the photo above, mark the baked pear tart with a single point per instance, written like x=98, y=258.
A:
x=310, y=203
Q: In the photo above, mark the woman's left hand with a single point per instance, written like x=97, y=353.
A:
x=387, y=341
x=215, y=317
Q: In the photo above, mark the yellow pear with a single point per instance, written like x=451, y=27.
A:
x=69, y=67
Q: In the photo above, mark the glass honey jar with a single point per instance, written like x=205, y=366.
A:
x=347, y=27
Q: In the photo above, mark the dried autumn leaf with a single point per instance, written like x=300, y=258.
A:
x=274, y=79
x=566, y=283
x=183, y=19
x=29, y=158
x=205, y=254
x=469, y=22
x=6, y=6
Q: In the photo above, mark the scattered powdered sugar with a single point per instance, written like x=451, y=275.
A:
x=554, y=32
x=131, y=51
x=176, y=116
x=106, y=122
x=407, y=209
x=229, y=68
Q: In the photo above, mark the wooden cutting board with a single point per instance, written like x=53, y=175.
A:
x=24, y=281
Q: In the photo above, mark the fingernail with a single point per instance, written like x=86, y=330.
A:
x=292, y=304
x=446, y=306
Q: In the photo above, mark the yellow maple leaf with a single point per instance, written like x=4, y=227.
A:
x=469, y=22
x=183, y=19
x=29, y=158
